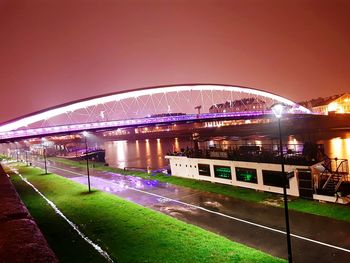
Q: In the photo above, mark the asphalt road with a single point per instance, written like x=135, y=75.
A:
x=314, y=238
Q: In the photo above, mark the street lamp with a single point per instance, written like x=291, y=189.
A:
x=278, y=111
x=44, y=153
x=85, y=134
x=26, y=154
x=16, y=143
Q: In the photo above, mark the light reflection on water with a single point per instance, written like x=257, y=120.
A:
x=337, y=147
x=151, y=152
x=142, y=153
x=122, y=151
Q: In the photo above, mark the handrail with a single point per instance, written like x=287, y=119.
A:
x=342, y=163
x=338, y=175
x=328, y=179
x=339, y=183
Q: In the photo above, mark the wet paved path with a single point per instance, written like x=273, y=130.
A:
x=314, y=238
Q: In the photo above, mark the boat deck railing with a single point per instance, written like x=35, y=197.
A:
x=267, y=153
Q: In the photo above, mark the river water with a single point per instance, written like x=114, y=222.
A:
x=142, y=153
x=151, y=152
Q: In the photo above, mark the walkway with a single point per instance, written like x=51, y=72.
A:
x=314, y=238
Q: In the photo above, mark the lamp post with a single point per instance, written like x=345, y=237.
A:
x=85, y=134
x=16, y=143
x=44, y=154
x=26, y=154
x=26, y=151
x=278, y=111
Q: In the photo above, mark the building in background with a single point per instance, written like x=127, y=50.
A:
x=247, y=104
x=338, y=104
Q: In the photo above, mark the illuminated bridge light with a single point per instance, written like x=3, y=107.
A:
x=133, y=122
x=137, y=107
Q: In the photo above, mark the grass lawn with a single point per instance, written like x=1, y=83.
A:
x=4, y=157
x=127, y=231
x=336, y=211
x=228, y=190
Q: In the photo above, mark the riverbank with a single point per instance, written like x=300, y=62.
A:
x=330, y=210
x=128, y=232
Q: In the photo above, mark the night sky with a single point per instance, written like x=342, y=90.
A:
x=56, y=51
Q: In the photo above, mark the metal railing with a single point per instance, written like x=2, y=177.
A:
x=265, y=153
x=337, y=171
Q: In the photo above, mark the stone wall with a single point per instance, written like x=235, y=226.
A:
x=20, y=238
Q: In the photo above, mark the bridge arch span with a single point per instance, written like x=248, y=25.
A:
x=140, y=103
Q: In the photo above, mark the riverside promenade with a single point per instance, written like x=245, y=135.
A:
x=314, y=238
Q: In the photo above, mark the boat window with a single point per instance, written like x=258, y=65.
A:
x=246, y=175
x=204, y=169
x=273, y=178
x=223, y=172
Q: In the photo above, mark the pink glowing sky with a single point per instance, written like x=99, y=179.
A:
x=56, y=51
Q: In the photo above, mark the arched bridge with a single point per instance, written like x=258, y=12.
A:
x=148, y=106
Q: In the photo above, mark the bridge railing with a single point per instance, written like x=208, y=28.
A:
x=32, y=132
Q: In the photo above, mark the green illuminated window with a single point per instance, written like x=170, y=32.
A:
x=223, y=172
x=246, y=175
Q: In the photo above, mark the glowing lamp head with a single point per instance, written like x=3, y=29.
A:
x=278, y=109
x=85, y=133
